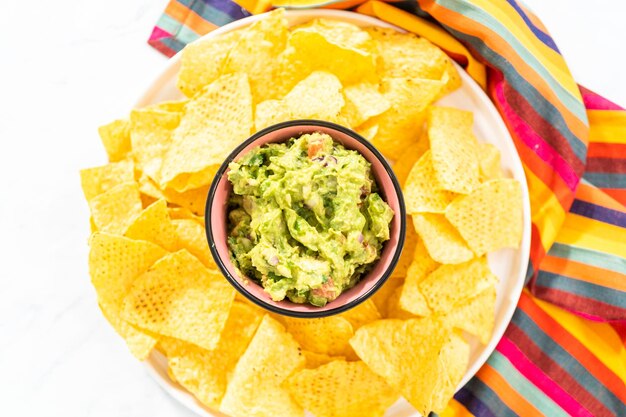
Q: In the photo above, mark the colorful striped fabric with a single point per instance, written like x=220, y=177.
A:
x=564, y=351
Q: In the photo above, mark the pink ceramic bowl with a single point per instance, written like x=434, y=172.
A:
x=216, y=219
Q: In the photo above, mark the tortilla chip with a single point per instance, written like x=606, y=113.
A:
x=215, y=122
x=154, y=225
x=443, y=242
x=407, y=55
x=202, y=62
x=382, y=297
x=151, y=131
x=401, y=125
x=364, y=313
x=115, y=137
x=270, y=112
x=203, y=372
x=180, y=298
x=139, y=342
x=409, y=157
x=343, y=56
x=453, y=359
x=255, y=388
x=114, y=263
x=489, y=162
x=327, y=335
x=477, y=315
x=114, y=210
x=314, y=359
x=316, y=97
x=257, y=51
x=422, y=191
x=402, y=352
x=192, y=236
x=451, y=78
x=97, y=180
x=341, y=389
x=394, y=309
x=181, y=213
x=411, y=298
x=406, y=257
x=369, y=132
x=454, y=149
x=491, y=217
x=449, y=285
x=192, y=200
x=148, y=189
x=363, y=101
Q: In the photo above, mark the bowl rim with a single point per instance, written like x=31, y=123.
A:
x=284, y=311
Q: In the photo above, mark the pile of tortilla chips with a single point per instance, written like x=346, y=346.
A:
x=159, y=287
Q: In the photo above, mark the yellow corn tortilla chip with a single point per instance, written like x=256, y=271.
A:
x=203, y=372
x=154, y=225
x=148, y=190
x=403, y=353
x=341, y=389
x=314, y=359
x=489, y=162
x=202, y=62
x=476, y=315
x=382, y=297
x=193, y=200
x=491, y=217
x=174, y=106
x=181, y=213
x=151, y=132
x=215, y=122
x=180, y=298
x=394, y=309
x=327, y=335
x=114, y=210
x=407, y=55
x=97, y=180
x=406, y=257
x=411, y=298
x=114, y=263
x=409, y=157
x=115, y=137
x=401, y=125
x=255, y=388
x=422, y=191
x=192, y=236
x=139, y=342
x=453, y=359
x=363, y=101
x=453, y=149
x=364, y=313
x=257, y=51
x=449, y=285
x=270, y=112
x=443, y=242
x=368, y=132
x=344, y=34
x=316, y=97
x=451, y=78
x=316, y=51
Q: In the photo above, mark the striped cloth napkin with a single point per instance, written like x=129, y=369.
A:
x=564, y=351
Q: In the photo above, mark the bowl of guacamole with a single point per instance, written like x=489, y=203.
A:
x=306, y=218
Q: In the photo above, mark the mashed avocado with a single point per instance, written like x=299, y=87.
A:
x=305, y=219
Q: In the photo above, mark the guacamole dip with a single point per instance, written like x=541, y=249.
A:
x=304, y=219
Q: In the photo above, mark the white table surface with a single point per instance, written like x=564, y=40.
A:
x=65, y=68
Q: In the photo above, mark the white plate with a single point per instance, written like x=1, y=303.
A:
x=508, y=264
